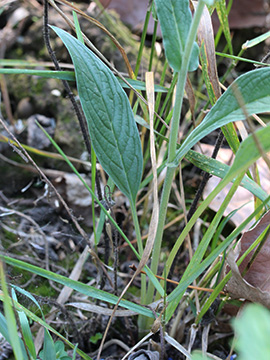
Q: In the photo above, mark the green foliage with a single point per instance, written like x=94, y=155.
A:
x=109, y=116
x=53, y=350
x=78, y=286
x=252, y=332
x=175, y=20
x=95, y=338
x=246, y=96
x=118, y=147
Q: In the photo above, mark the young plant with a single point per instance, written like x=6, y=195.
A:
x=117, y=145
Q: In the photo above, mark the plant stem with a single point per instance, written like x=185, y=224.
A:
x=140, y=247
x=180, y=88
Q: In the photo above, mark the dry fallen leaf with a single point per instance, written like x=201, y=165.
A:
x=255, y=286
x=242, y=196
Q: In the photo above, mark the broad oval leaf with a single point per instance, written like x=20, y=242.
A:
x=252, y=330
x=175, y=20
x=109, y=117
x=253, y=88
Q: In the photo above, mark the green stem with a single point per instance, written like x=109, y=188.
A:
x=143, y=37
x=93, y=184
x=180, y=88
x=140, y=247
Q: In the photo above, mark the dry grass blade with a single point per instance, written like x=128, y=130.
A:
x=101, y=310
x=207, y=45
x=155, y=212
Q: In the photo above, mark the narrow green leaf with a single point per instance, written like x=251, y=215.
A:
x=78, y=286
x=217, y=168
x=246, y=155
x=62, y=75
x=35, y=318
x=257, y=40
x=223, y=18
x=11, y=325
x=70, y=76
x=175, y=20
x=248, y=151
x=239, y=58
x=110, y=119
x=254, y=89
x=28, y=338
x=77, y=27
x=231, y=136
x=207, y=164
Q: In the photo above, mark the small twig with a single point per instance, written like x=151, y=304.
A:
x=61, y=200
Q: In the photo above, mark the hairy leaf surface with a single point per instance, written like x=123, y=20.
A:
x=175, y=20
x=110, y=120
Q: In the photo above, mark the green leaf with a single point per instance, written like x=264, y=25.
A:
x=257, y=40
x=78, y=286
x=252, y=329
x=209, y=2
x=70, y=76
x=60, y=351
x=198, y=355
x=246, y=155
x=249, y=152
x=110, y=120
x=35, y=318
x=48, y=352
x=217, y=168
x=95, y=338
x=175, y=20
x=10, y=327
x=223, y=18
x=254, y=89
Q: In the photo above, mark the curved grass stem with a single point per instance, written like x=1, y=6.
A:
x=180, y=88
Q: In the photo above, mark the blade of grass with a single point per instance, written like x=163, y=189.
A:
x=10, y=318
x=173, y=142
x=223, y=18
x=200, y=251
x=26, y=331
x=78, y=286
x=35, y=318
x=70, y=76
